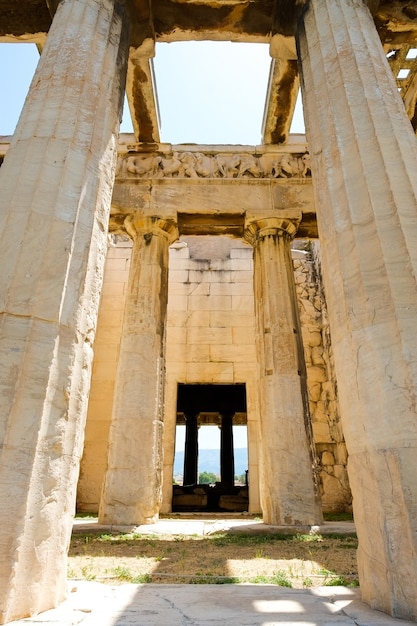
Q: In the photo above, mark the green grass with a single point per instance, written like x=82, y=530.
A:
x=338, y=517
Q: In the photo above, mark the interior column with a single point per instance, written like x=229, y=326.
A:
x=132, y=486
x=288, y=494
x=364, y=161
x=191, y=449
x=227, y=454
x=56, y=184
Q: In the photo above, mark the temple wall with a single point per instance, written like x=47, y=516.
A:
x=211, y=335
x=321, y=380
x=106, y=349
x=211, y=339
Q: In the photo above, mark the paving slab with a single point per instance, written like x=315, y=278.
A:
x=206, y=526
x=95, y=604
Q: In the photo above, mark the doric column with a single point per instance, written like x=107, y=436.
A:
x=364, y=161
x=132, y=485
x=190, y=476
x=56, y=184
x=227, y=453
x=288, y=494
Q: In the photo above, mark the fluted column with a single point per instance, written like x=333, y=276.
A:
x=55, y=190
x=132, y=486
x=364, y=161
x=288, y=494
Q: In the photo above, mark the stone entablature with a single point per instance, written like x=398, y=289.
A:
x=188, y=179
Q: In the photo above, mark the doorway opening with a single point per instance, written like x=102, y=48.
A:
x=212, y=478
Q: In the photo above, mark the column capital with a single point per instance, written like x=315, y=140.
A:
x=137, y=224
x=275, y=226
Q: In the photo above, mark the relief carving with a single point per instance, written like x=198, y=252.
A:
x=189, y=164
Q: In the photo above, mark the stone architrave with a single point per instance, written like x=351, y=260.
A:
x=56, y=184
x=288, y=494
x=364, y=155
x=132, y=486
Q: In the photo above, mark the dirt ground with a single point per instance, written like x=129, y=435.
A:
x=298, y=561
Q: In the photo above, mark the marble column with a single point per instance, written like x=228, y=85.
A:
x=288, y=494
x=227, y=453
x=132, y=486
x=55, y=191
x=191, y=450
x=364, y=161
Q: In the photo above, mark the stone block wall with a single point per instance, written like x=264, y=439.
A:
x=321, y=381
x=211, y=334
x=106, y=349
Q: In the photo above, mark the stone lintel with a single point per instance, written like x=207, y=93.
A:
x=234, y=20
x=142, y=99
x=222, y=202
x=280, y=102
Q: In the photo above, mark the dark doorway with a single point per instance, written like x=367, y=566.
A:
x=222, y=406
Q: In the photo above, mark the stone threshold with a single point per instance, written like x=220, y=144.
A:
x=192, y=524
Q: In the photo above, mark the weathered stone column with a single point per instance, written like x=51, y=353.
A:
x=132, y=486
x=191, y=450
x=56, y=184
x=364, y=160
x=288, y=494
x=227, y=453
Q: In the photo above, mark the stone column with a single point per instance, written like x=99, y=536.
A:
x=288, y=494
x=132, y=486
x=364, y=159
x=191, y=450
x=227, y=454
x=56, y=184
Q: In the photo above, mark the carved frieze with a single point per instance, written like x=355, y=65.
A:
x=190, y=164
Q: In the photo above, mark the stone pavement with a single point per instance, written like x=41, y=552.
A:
x=96, y=604
x=195, y=524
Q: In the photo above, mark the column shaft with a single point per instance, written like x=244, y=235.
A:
x=132, y=486
x=56, y=184
x=288, y=494
x=227, y=453
x=364, y=157
x=191, y=450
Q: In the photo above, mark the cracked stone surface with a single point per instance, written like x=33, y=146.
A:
x=91, y=603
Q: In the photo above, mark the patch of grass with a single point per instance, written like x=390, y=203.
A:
x=227, y=580
x=141, y=578
x=280, y=578
x=87, y=572
x=247, y=539
x=308, y=538
x=122, y=573
x=338, y=517
x=300, y=560
x=119, y=538
x=260, y=580
x=337, y=581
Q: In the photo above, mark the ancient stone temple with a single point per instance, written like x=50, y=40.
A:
x=147, y=286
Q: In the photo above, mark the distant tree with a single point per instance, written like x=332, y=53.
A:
x=206, y=478
x=241, y=479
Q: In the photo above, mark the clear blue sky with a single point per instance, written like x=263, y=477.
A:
x=209, y=92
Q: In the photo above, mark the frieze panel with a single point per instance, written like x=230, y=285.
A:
x=188, y=164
